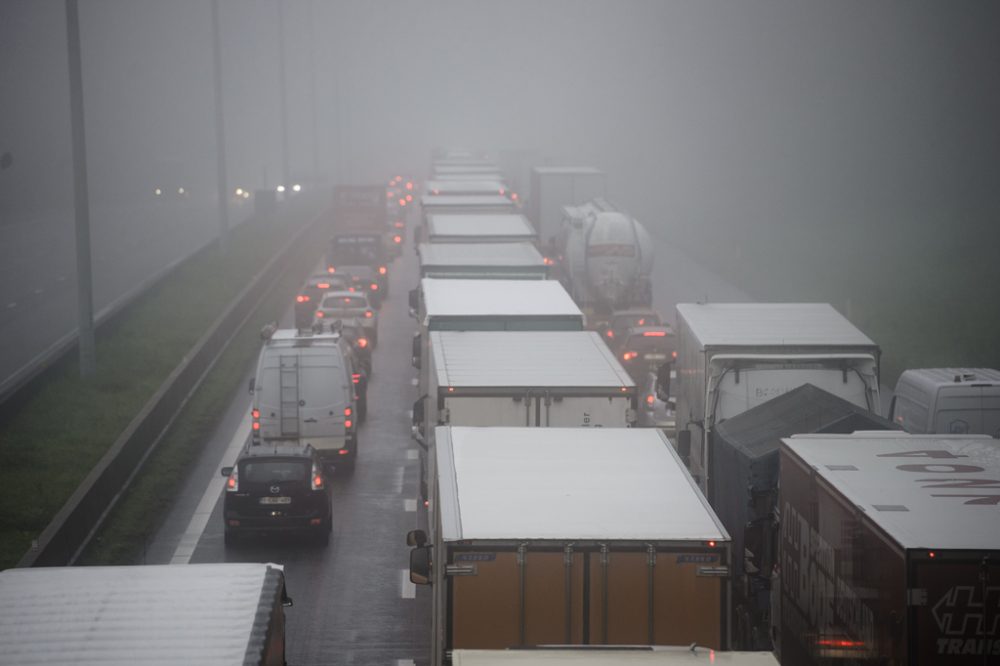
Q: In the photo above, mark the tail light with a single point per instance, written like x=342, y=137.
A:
x=374, y=286
x=317, y=478
x=301, y=298
x=388, y=195
x=548, y=261
x=402, y=202
x=650, y=399
x=323, y=285
x=711, y=544
x=319, y=314
x=348, y=411
x=382, y=270
x=255, y=413
x=673, y=354
x=437, y=192
x=409, y=197
x=654, y=334
x=502, y=191
x=609, y=333
x=629, y=355
x=513, y=195
x=399, y=225
x=409, y=185
x=356, y=379
x=362, y=342
x=233, y=482
x=348, y=424
x=397, y=239
x=369, y=314
x=331, y=269
x=642, y=321
x=343, y=452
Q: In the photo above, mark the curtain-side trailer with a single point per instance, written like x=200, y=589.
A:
x=572, y=536
x=734, y=356
x=890, y=549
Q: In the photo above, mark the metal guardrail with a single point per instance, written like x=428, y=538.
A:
x=65, y=537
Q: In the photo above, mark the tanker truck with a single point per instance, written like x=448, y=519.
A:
x=606, y=259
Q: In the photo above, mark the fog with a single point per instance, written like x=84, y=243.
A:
x=850, y=139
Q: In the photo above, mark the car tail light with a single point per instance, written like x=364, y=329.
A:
x=347, y=411
x=256, y=425
x=374, y=286
x=355, y=379
x=629, y=355
x=233, y=482
x=513, y=195
x=654, y=334
x=319, y=314
x=398, y=178
x=331, y=269
x=711, y=544
x=502, y=191
x=369, y=314
x=610, y=333
x=255, y=413
x=409, y=197
x=323, y=285
x=351, y=289
x=362, y=342
x=348, y=423
x=673, y=354
x=343, y=452
x=397, y=239
x=399, y=225
x=642, y=321
x=650, y=399
x=624, y=389
x=317, y=478
x=388, y=195
x=437, y=192
x=402, y=202
x=301, y=298
x=409, y=185
x=382, y=270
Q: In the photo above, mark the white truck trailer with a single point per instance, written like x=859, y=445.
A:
x=465, y=187
x=497, y=261
x=479, y=228
x=734, y=356
x=153, y=614
x=553, y=187
x=571, y=536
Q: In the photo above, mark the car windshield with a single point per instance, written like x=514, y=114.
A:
x=654, y=342
x=268, y=470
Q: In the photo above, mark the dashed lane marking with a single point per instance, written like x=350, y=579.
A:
x=189, y=540
x=407, y=590
x=414, y=381
x=410, y=505
x=398, y=480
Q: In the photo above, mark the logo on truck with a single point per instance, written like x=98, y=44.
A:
x=964, y=612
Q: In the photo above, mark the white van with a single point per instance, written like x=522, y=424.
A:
x=961, y=401
x=304, y=391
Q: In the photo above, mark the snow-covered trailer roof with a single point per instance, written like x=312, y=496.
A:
x=481, y=260
x=460, y=228
x=770, y=324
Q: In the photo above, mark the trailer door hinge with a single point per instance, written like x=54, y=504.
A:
x=461, y=570
x=714, y=572
x=916, y=596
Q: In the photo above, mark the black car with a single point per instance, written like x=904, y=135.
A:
x=622, y=320
x=644, y=349
x=279, y=487
x=308, y=298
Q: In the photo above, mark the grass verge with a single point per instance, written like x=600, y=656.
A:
x=60, y=432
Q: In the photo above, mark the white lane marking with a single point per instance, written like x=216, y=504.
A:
x=398, y=480
x=13, y=304
x=405, y=662
x=412, y=454
x=414, y=381
x=189, y=540
x=410, y=505
x=39, y=290
x=407, y=590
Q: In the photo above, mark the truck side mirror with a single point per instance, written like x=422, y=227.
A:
x=417, y=422
x=415, y=351
x=420, y=565
x=252, y=385
x=663, y=381
x=684, y=444
x=416, y=538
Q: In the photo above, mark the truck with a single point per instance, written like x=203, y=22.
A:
x=553, y=187
x=504, y=261
x=304, y=390
x=688, y=655
x=231, y=613
x=958, y=401
x=571, y=536
x=466, y=187
x=458, y=204
x=605, y=259
x=479, y=228
x=890, y=549
x=734, y=356
x=745, y=467
x=362, y=234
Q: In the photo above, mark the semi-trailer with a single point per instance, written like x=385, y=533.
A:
x=497, y=261
x=479, y=228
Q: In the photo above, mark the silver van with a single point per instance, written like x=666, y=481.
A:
x=948, y=401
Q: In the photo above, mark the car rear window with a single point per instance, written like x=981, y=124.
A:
x=641, y=343
x=268, y=470
x=345, y=302
x=649, y=319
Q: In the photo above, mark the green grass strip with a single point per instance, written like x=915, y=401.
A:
x=64, y=428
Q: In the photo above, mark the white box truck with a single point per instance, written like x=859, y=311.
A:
x=153, y=614
x=497, y=261
x=479, y=228
x=460, y=204
x=553, y=187
x=571, y=536
x=734, y=356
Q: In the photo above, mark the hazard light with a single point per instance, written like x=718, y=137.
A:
x=402, y=202
x=654, y=334
x=609, y=333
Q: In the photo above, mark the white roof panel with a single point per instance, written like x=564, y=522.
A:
x=914, y=511
x=610, y=656
x=520, y=254
x=619, y=484
x=569, y=170
x=526, y=298
x=770, y=324
x=445, y=201
x=526, y=359
x=155, y=614
x=472, y=226
x=446, y=187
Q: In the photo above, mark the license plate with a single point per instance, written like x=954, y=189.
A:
x=655, y=357
x=275, y=500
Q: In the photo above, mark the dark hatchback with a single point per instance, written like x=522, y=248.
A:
x=277, y=488
x=644, y=349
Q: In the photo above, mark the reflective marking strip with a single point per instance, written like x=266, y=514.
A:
x=410, y=505
x=407, y=590
x=189, y=540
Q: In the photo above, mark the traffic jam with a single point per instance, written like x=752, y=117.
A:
x=722, y=478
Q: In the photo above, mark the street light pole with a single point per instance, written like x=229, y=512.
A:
x=284, y=96
x=84, y=278
x=220, y=133
x=312, y=92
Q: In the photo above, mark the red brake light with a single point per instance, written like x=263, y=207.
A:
x=402, y=202
x=355, y=379
x=374, y=287
x=347, y=300
x=348, y=423
x=343, y=452
x=610, y=333
x=673, y=354
x=409, y=185
x=513, y=195
x=398, y=178
x=409, y=197
x=502, y=191
x=362, y=342
x=711, y=544
x=319, y=314
x=231, y=483
x=256, y=425
x=382, y=270
x=255, y=413
x=397, y=239
x=301, y=298
x=650, y=398
x=369, y=314
x=347, y=411
x=654, y=334
x=629, y=355
x=398, y=224
x=331, y=269
x=642, y=321
x=323, y=285
x=931, y=554
x=388, y=195
x=317, y=483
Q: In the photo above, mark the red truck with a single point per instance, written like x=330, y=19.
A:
x=890, y=549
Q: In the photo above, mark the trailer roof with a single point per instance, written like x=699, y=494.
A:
x=526, y=359
x=611, y=656
x=520, y=254
x=446, y=187
x=472, y=298
x=482, y=167
x=619, y=484
x=465, y=200
x=473, y=226
x=920, y=500
x=568, y=170
x=773, y=324
x=153, y=614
